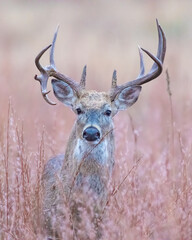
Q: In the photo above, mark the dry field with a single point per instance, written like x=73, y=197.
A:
x=151, y=192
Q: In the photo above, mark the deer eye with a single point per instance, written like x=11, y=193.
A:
x=79, y=111
x=108, y=112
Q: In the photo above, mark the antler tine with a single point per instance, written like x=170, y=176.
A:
x=114, y=79
x=83, y=77
x=52, y=62
x=160, y=52
x=162, y=43
x=37, y=63
x=142, y=65
x=156, y=67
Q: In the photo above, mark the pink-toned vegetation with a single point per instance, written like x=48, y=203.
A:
x=151, y=191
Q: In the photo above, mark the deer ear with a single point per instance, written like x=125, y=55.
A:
x=63, y=92
x=127, y=97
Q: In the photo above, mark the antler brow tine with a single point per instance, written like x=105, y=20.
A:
x=83, y=77
x=114, y=79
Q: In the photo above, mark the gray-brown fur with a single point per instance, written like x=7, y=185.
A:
x=86, y=167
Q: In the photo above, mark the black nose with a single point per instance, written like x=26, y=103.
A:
x=91, y=134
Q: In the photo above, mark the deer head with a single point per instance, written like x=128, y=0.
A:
x=96, y=109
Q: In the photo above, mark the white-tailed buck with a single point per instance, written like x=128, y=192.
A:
x=84, y=172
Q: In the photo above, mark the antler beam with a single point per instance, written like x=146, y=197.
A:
x=155, y=71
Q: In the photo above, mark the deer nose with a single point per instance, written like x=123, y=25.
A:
x=91, y=134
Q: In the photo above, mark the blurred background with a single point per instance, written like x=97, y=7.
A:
x=102, y=34
x=153, y=138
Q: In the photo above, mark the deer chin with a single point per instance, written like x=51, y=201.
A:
x=92, y=143
x=97, y=150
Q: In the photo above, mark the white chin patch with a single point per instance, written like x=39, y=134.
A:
x=94, y=149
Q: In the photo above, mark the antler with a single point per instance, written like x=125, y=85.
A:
x=50, y=71
x=155, y=71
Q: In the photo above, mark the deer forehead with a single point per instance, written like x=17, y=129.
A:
x=94, y=99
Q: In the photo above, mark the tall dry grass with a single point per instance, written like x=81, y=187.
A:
x=151, y=191
x=151, y=188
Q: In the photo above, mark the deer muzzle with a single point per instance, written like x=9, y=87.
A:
x=91, y=134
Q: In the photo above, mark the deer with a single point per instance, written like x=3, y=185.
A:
x=85, y=170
